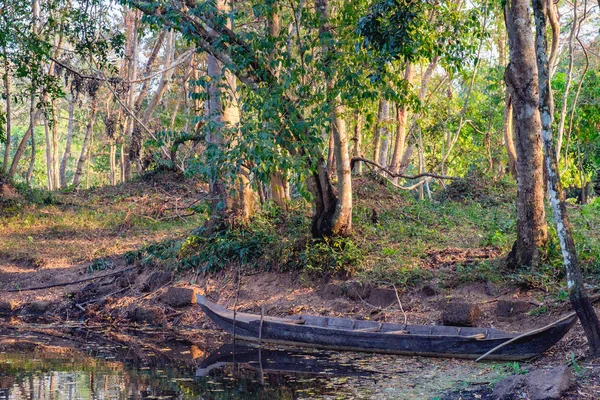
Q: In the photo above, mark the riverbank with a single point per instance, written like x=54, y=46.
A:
x=408, y=259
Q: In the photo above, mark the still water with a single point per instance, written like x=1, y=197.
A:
x=240, y=371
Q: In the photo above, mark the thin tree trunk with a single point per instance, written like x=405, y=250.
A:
x=49, y=162
x=55, y=158
x=521, y=77
x=577, y=295
x=136, y=146
x=28, y=133
x=8, y=94
x=131, y=18
x=565, y=100
x=358, y=167
x=67, y=154
x=508, y=136
x=342, y=218
x=113, y=163
x=376, y=137
x=83, y=158
x=402, y=120
x=33, y=154
x=231, y=204
x=331, y=151
x=383, y=122
x=453, y=138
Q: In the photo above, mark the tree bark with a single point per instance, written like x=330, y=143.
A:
x=83, y=158
x=521, y=77
x=577, y=295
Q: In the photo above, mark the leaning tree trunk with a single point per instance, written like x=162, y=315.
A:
x=581, y=303
x=521, y=78
x=83, y=158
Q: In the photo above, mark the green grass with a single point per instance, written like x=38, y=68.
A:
x=459, y=236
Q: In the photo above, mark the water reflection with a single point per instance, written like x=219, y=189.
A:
x=240, y=372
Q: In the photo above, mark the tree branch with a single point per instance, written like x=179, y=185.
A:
x=394, y=175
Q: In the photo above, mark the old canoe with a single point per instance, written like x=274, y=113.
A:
x=372, y=336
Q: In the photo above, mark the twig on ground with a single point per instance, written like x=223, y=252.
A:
x=71, y=283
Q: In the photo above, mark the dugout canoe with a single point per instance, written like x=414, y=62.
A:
x=371, y=336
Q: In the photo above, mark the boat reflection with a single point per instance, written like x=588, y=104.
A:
x=278, y=361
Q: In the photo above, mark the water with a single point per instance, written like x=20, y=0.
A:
x=180, y=370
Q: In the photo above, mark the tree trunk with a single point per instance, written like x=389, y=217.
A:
x=49, y=161
x=67, y=154
x=136, y=147
x=402, y=118
x=131, y=25
x=358, y=167
x=508, y=136
x=32, y=160
x=376, y=137
x=341, y=222
x=234, y=202
x=565, y=100
x=83, y=158
x=581, y=303
x=383, y=121
x=521, y=77
x=7, y=93
x=55, y=161
x=331, y=151
x=112, y=160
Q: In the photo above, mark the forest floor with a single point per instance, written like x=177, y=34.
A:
x=430, y=253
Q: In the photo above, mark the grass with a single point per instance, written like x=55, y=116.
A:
x=459, y=236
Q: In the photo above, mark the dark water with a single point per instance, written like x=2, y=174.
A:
x=184, y=371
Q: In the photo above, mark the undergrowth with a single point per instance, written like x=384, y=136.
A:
x=271, y=241
x=395, y=235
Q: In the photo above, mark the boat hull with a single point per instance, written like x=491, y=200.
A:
x=279, y=331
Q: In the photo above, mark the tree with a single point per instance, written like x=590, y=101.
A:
x=577, y=295
x=521, y=78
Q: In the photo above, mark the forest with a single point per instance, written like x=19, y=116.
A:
x=436, y=161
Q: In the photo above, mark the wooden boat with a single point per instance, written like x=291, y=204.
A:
x=378, y=337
